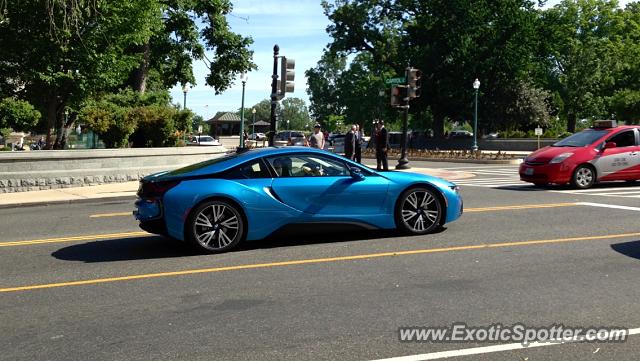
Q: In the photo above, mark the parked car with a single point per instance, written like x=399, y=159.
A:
x=293, y=137
x=460, y=134
x=203, y=140
x=257, y=136
x=218, y=203
x=605, y=152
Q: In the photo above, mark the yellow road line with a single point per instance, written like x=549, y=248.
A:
x=102, y=215
x=314, y=261
x=74, y=238
x=523, y=206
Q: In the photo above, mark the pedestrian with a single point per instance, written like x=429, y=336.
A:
x=350, y=142
x=316, y=140
x=357, y=156
x=382, y=146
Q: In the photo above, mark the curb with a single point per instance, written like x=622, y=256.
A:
x=458, y=160
x=66, y=201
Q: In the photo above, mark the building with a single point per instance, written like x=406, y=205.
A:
x=225, y=123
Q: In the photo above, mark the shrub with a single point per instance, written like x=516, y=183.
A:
x=156, y=126
x=110, y=122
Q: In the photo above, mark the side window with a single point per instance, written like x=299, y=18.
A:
x=624, y=139
x=250, y=170
x=307, y=166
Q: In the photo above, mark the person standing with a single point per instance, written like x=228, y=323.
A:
x=382, y=147
x=350, y=142
x=316, y=140
x=357, y=156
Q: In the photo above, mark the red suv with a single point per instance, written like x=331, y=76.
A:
x=605, y=152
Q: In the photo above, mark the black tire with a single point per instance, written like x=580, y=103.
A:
x=584, y=176
x=419, y=211
x=215, y=226
x=541, y=185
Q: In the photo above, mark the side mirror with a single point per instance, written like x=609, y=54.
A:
x=609, y=145
x=356, y=173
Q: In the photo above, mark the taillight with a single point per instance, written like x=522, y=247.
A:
x=156, y=189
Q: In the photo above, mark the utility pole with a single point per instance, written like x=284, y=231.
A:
x=274, y=94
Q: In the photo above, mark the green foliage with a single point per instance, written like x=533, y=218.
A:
x=110, y=122
x=626, y=105
x=18, y=115
x=335, y=123
x=156, y=126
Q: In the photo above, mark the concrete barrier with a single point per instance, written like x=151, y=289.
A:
x=52, y=169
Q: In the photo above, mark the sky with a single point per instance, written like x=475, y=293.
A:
x=297, y=26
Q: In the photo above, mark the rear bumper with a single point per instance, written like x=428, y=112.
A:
x=149, y=213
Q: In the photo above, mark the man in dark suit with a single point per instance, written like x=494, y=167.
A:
x=382, y=146
x=357, y=156
x=350, y=142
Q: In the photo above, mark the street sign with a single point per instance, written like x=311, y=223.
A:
x=393, y=81
x=538, y=131
x=200, y=128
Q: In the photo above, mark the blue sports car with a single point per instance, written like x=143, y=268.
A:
x=248, y=195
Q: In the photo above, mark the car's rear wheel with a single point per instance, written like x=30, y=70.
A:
x=215, y=226
x=419, y=211
x=584, y=177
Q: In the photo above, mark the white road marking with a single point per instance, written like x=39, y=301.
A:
x=483, y=350
x=602, y=205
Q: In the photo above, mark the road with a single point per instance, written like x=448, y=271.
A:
x=81, y=281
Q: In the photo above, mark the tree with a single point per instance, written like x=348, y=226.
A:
x=58, y=53
x=582, y=48
x=18, y=115
x=188, y=28
x=451, y=41
x=295, y=111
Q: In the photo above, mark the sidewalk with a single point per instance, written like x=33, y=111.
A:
x=129, y=189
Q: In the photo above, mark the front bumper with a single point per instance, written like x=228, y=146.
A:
x=558, y=173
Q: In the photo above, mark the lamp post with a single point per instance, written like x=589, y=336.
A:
x=243, y=79
x=253, y=125
x=287, y=124
x=185, y=89
x=476, y=86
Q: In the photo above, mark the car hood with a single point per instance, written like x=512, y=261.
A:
x=545, y=154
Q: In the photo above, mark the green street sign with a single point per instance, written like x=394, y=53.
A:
x=393, y=81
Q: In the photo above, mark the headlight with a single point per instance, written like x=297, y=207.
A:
x=561, y=158
x=455, y=188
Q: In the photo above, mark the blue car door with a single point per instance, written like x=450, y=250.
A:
x=322, y=185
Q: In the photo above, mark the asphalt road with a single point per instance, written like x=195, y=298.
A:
x=80, y=281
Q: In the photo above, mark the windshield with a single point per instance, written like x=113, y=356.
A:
x=581, y=139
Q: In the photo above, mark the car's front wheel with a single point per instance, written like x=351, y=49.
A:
x=419, y=211
x=215, y=226
x=584, y=177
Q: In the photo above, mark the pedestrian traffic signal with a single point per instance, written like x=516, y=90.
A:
x=399, y=96
x=288, y=74
x=415, y=83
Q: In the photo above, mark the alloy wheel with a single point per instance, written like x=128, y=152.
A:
x=420, y=212
x=217, y=227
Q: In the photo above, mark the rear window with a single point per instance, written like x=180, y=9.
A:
x=206, y=163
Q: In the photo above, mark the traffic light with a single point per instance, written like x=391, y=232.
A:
x=415, y=82
x=287, y=75
x=399, y=96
